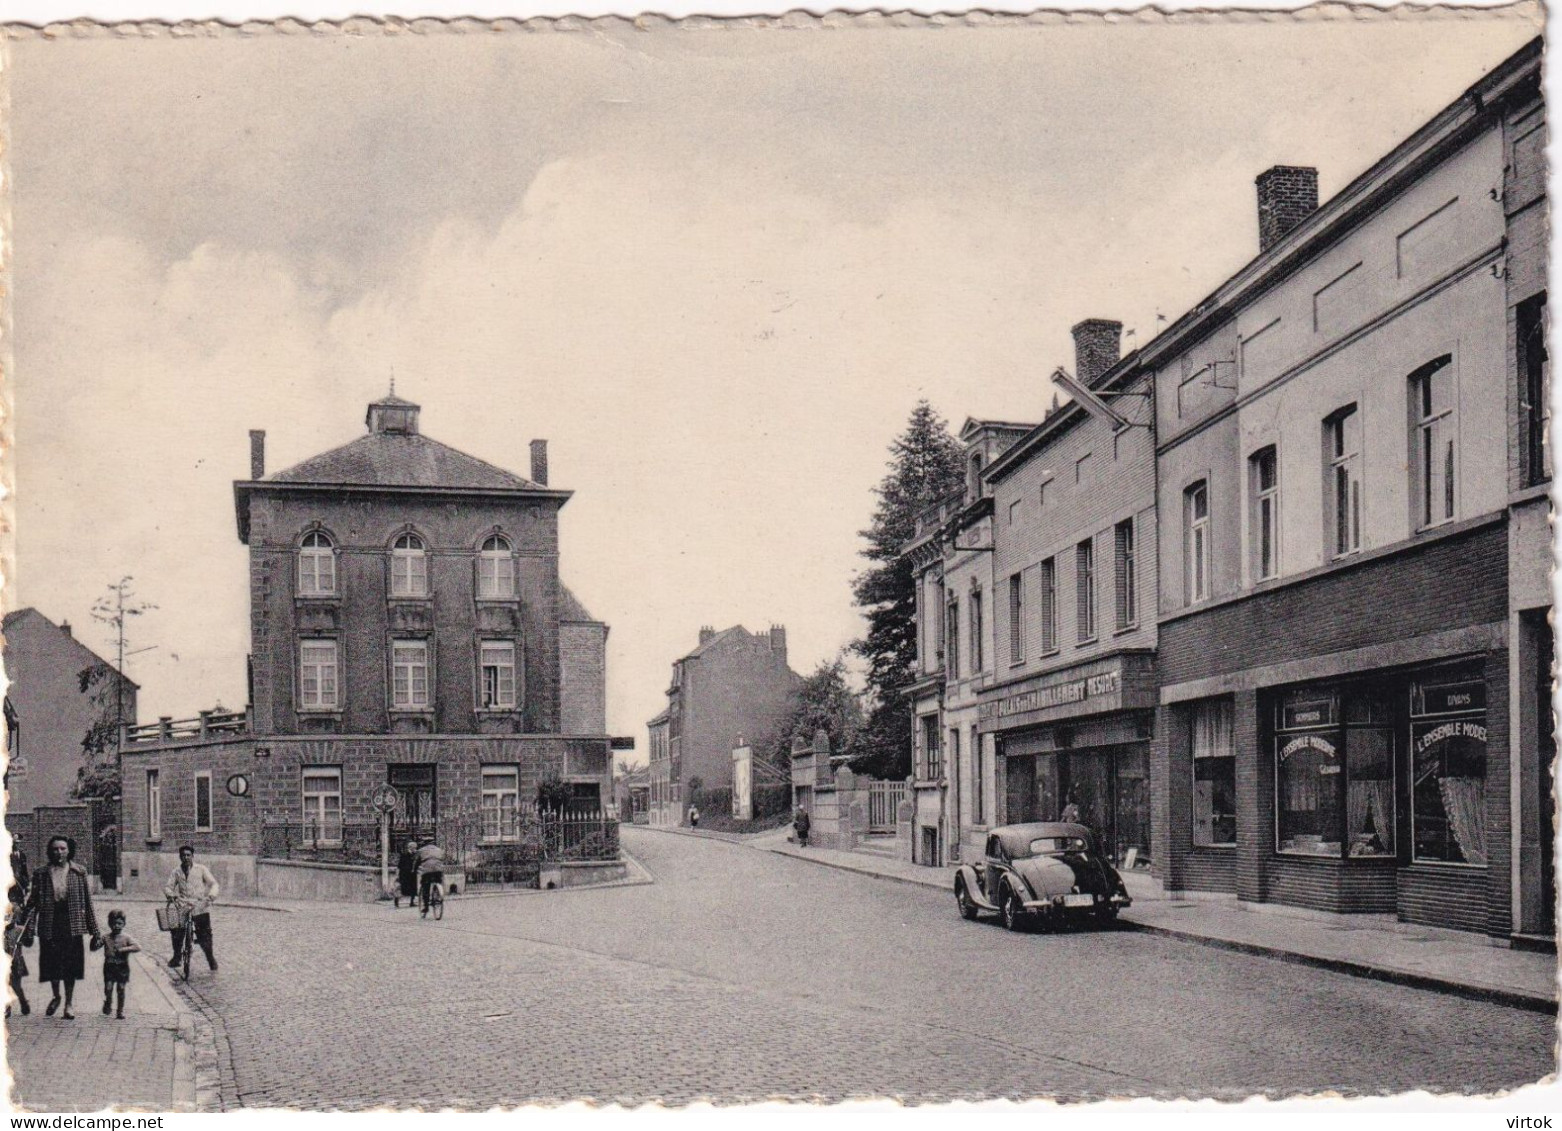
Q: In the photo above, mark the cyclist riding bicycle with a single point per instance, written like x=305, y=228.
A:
x=431, y=870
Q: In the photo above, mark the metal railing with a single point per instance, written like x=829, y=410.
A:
x=884, y=798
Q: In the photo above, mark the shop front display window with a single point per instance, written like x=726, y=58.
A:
x=1448, y=753
x=1308, y=774
x=1214, y=774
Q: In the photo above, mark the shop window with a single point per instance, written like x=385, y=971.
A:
x=1123, y=567
x=203, y=801
x=1195, y=538
x=1264, y=525
x=322, y=808
x=1016, y=619
x=1214, y=774
x=1448, y=756
x=1049, y=606
x=316, y=566
x=500, y=803
x=1535, y=389
x=1342, y=492
x=977, y=659
x=1334, y=773
x=952, y=636
x=1433, y=429
x=1085, y=583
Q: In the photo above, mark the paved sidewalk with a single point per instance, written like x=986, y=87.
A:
x=1371, y=946
x=143, y=1063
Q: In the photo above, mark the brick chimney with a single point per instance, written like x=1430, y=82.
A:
x=257, y=454
x=1287, y=195
x=540, y=462
x=778, y=640
x=1097, y=347
x=706, y=632
x=65, y=627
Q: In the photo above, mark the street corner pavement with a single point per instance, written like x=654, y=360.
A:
x=144, y=1062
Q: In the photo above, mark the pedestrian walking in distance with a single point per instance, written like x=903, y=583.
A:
x=192, y=885
x=62, y=902
x=118, y=946
x=17, y=923
x=407, y=874
x=694, y=817
x=801, y=824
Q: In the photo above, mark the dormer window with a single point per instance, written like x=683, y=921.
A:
x=316, y=566
x=409, y=567
x=495, y=570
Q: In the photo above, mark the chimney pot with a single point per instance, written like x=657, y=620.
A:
x=1097, y=347
x=65, y=627
x=706, y=632
x=540, y=462
x=1287, y=195
x=257, y=454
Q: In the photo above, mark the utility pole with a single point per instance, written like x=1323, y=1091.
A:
x=111, y=609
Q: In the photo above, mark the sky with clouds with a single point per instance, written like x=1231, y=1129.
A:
x=715, y=266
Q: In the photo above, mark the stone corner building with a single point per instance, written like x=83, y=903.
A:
x=408, y=628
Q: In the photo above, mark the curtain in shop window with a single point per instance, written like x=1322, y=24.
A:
x=1213, y=733
x=1368, y=807
x=1464, y=800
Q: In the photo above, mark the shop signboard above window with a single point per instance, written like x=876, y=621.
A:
x=1448, y=698
x=1297, y=713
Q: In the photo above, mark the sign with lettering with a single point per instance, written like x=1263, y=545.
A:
x=1308, y=742
x=1446, y=731
x=1054, y=695
x=1308, y=713
x=1451, y=698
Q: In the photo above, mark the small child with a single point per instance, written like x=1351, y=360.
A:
x=118, y=946
x=15, y=932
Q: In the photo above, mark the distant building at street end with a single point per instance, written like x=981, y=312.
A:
x=63, y=709
x=409, y=628
x=735, y=687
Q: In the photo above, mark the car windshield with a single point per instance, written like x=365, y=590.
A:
x=1050, y=845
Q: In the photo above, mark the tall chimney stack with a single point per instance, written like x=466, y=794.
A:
x=778, y=640
x=257, y=454
x=540, y=462
x=1097, y=347
x=1287, y=195
x=706, y=632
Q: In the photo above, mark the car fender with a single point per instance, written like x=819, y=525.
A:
x=973, y=887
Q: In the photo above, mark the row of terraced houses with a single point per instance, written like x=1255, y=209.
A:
x=1267, y=604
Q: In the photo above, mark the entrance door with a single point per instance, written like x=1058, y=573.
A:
x=1087, y=784
x=1131, y=820
x=417, y=814
x=1020, y=790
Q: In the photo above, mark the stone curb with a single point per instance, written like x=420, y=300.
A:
x=1516, y=999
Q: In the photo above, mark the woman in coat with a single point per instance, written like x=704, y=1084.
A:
x=407, y=874
x=800, y=825
x=62, y=902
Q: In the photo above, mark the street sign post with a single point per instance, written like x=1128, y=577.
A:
x=385, y=799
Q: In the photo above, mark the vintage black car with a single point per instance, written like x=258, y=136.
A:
x=1044, y=872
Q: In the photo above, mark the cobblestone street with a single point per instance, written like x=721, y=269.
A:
x=741, y=974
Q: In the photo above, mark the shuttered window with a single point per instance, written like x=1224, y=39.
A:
x=1123, y=566
x=1085, y=583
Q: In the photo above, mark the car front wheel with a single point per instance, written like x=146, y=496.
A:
x=968, y=908
x=1013, y=911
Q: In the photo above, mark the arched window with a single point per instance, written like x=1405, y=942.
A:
x=409, y=567
x=316, y=566
x=495, y=570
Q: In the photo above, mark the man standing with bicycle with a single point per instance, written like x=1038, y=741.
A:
x=192, y=887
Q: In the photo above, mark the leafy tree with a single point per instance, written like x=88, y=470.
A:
x=824, y=699
x=553, y=794
x=924, y=467
x=99, y=772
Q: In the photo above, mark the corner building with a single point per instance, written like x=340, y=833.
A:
x=408, y=628
x=1335, y=494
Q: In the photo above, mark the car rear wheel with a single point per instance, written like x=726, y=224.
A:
x=968, y=908
x=1013, y=911
x=1106, y=915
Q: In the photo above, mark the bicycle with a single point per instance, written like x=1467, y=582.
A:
x=434, y=899
x=178, y=917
